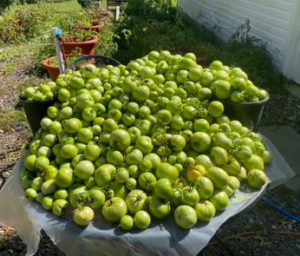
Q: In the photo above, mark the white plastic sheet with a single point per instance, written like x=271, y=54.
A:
x=163, y=237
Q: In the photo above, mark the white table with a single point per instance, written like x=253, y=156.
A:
x=163, y=237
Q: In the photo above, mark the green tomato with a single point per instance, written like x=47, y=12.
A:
x=51, y=172
x=37, y=183
x=182, y=76
x=190, y=196
x=65, y=177
x=49, y=187
x=134, y=157
x=164, y=117
x=163, y=188
x=41, y=163
x=165, y=170
x=120, y=139
x=61, y=194
x=89, y=114
x=103, y=175
x=254, y=162
x=134, y=133
x=219, y=155
x=177, y=142
x=84, y=169
x=256, y=178
x=23, y=172
x=122, y=175
x=219, y=177
x=114, y=209
x=31, y=194
x=126, y=222
x=68, y=151
x=177, y=123
x=96, y=198
x=136, y=201
x=83, y=216
x=84, y=135
x=47, y=202
x=145, y=165
x=147, y=181
x=204, y=186
x=134, y=171
x=60, y=207
x=131, y=184
x=205, y=210
x=141, y=93
x=128, y=119
x=39, y=197
x=144, y=143
x=159, y=209
x=219, y=199
x=144, y=112
x=185, y=216
x=142, y=219
x=55, y=128
x=92, y=152
x=26, y=181
x=200, y=141
x=189, y=112
x=267, y=157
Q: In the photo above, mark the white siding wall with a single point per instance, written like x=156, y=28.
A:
x=269, y=19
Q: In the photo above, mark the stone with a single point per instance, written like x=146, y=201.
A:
x=287, y=142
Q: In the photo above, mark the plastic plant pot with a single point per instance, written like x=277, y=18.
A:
x=248, y=113
x=35, y=111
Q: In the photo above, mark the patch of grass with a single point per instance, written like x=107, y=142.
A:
x=15, y=51
x=11, y=116
x=54, y=6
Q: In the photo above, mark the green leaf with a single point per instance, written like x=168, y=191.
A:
x=238, y=198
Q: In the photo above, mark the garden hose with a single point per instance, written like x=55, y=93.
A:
x=279, y=209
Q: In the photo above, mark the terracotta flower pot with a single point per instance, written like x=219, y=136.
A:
x=53, y=71
x=96, y=22
x=105, y=12
x=95, y=26
x=199, y=51
x=87, y=47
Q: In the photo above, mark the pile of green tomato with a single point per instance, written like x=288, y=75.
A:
x=143, y=141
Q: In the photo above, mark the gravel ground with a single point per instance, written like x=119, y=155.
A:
x=281, y=109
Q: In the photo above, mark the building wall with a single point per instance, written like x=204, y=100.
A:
x=270, y=20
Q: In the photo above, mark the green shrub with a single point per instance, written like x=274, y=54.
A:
x=251, y=55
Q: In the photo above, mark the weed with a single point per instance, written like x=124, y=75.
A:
x=10, y=116
x=251, y=55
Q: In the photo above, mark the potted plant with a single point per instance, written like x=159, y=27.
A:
x=95, y=25
x=100, y=15
x=73, y=37
x=80, y=38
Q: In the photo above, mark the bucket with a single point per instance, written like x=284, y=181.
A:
x=35, y=111
x=248, y=113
